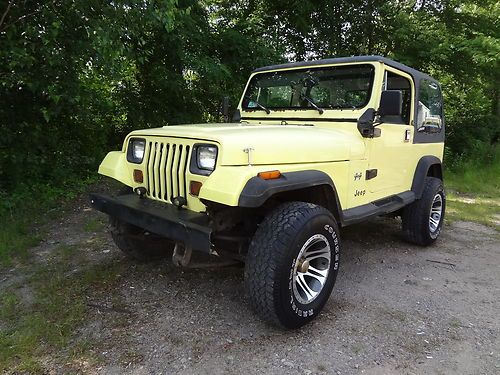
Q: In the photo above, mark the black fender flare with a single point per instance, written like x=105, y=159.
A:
x=257, y=190
x=421, y=172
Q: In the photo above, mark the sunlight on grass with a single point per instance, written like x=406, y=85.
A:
x=41, y=313
x=484, y=211
x=473, y=193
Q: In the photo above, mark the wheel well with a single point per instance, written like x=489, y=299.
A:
x=322, y=195
x=435, y=170
x=428, y=166
x=233, y=227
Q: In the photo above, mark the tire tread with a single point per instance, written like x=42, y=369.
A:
x=267, y=248
x=415, y=217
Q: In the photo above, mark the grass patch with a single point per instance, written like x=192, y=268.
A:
x=93, y=225
x=478, y=179
x=474, y=193
x=23, y=212
x=480, y=210
x=16, y=237
x=45, y=321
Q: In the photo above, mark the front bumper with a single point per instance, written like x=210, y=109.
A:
x=180, y=225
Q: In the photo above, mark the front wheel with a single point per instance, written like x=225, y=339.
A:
x=138, y=243
x=292, y=264
x=423, y=219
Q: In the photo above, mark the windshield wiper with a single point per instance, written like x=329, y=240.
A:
x=258, y=104
x=311, y=102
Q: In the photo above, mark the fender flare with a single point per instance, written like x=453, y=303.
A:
x=257, y=191
x=421, y=172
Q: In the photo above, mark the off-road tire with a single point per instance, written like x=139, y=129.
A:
x=136, y=242
x=416, y=216
x=272, y=257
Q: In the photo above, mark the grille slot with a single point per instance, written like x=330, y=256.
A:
x=166, y=165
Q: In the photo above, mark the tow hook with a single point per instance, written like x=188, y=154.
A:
x=182, y=255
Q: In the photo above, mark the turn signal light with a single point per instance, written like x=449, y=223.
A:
x=269, y=175
x=138, y=177
x=195, y=187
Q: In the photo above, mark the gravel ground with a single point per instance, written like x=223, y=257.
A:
x=395, y=309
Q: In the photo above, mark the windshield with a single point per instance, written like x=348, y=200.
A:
x=340, y=87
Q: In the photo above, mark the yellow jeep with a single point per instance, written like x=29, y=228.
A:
x=314, y=146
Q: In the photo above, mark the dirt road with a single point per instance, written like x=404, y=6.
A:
x=396, y=309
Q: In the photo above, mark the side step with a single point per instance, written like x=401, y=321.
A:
x=377, y=208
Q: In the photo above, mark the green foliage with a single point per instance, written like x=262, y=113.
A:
x=77, y=76
x=473, y=177
x=473, y=190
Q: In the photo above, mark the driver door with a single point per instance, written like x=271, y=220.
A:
x=389, y=154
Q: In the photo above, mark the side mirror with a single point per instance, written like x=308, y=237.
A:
x=236, y=116
x=225, y=108
x=366, y=125
x=391, y=103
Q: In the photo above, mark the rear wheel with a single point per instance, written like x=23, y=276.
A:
x=292, y=264
x=423, y=219
x=138, y=243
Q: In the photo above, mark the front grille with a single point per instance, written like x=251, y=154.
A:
x=167, y=164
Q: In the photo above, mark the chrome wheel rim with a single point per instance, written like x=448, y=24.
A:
x=436, y=213
x=311, y=269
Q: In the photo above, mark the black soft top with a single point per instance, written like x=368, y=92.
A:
x=417, y=75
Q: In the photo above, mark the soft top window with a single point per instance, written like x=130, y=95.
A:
x=430, y=106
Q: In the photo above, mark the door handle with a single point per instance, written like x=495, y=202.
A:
x=407, y=135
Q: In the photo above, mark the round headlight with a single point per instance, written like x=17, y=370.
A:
x=207, y=155
x=136, y=149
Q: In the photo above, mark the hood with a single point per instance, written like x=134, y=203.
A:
x=270, y=144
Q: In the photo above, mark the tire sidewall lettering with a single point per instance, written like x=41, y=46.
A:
x=306, y=311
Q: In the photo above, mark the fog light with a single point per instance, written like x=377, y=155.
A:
x=140, y=191
x=179, y=201
x=138, y=176
x=195, y=187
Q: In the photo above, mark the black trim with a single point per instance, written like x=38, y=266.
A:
x=257, y=191
x=236, y=116
x=377, y=208
x=371, y=173
x=423, y=166
x=193, y=163
x=426, y=137
x=181, y=225
x=417, y=75
x=310, y=119
x=130, y=156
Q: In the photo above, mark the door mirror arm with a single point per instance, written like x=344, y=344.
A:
x=367, y=124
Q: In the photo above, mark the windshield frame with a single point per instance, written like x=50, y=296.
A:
x=244, y=106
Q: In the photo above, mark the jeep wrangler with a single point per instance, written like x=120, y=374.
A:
x=314, y=146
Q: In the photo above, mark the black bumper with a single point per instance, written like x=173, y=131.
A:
x=181, y=225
